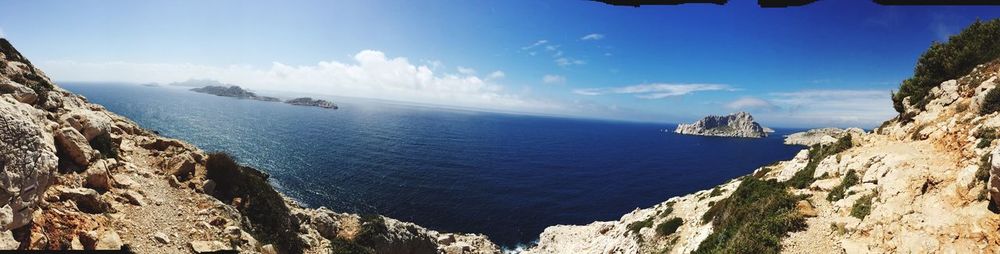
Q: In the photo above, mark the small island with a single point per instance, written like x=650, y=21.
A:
x=306, y=101
x=738, y=124
x=233, y=91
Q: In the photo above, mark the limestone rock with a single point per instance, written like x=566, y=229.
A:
x=97, y=175
x=109, y=240
x=739, y=124
x=161, y=237
x=134, y=197
x=180, y=166
x=87, y=200
x=209, y=246
x=75, y=146
x=26, y=158
x=994, y=182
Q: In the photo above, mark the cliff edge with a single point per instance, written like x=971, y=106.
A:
x=79, y=177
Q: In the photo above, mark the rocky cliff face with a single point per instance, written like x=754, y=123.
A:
x=820, y=136
x=76, y=176
x=738, y=124
x=925, y=182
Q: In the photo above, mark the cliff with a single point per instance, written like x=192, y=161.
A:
x=738, y=124
x=927, y=181
x=79, y=177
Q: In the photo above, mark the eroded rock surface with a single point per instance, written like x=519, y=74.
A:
x=738, y=124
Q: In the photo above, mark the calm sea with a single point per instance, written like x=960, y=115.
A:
x=506, y=176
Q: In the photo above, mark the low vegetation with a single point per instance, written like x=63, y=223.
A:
x=639, y=225
x=753, y=219
x=250, y=193
x=977, y=44
x=669, y=227
x=715, y=192
x=983, y=176
x=862, y=207
x=986, y=135
x=838, y=192
x=667, y=211
x=804, y=177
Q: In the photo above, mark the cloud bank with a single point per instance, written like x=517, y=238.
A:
x=810, y=108
x=654, y=91
x=370, y=74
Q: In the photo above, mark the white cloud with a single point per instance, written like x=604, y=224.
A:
x=654, y=91
x=565, y=61
x=751, y=103
x=496, y=75
x=536, y=44
x=466, y=71
x=592, y=37
x=553, y=79
x=840, y=108
x=370, y=74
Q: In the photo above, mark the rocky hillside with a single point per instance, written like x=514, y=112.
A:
x=78, y=177
x=738, y=124
x=927, y=181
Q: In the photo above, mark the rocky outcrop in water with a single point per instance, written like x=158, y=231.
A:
x=738, y=124
x=233, y=91
x=306, y=101
x=79, y=177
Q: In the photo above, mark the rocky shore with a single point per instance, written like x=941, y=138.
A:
x=738, y=124
x=79, y=177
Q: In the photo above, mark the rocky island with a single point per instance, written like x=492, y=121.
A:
x=233, y=91
x=820, y=136
x=738, y=124
x=306, y=101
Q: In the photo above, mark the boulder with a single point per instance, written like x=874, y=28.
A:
x=109, y=240
x=74, y=145
x=87, y=200
x=180, y=166
x=325, y=224
x=90, y=123
x=27, y=160
x=134, y=197
x=20, y=92
x=97, y=176
x=209, y=246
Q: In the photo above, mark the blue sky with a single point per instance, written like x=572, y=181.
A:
x=831, y=63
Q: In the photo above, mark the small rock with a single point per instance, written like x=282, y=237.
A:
x=109, y=241
x=97, y=176
x=805, y=208
x=446, y=239
x=7, y=241
x=268, y=249
x=209, y=246
x=123, y=181
x=161, y=237
x=134, y=198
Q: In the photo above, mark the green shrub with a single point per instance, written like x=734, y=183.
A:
x=668, y=210
x=986, y=136
x=669, y=227
x=838, y=192
x=977, y=44
x=862, y=207
x=753, y=219
x=715, y=192
x=804, y=177
x=983, y=176
x=991, y=103
x=270, y=219
x=638, y=225
x=104, y=144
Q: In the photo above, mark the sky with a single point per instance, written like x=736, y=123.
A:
x=830, y=63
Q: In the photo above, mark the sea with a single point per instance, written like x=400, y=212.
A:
x=507, y=176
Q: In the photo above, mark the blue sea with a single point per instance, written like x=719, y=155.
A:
x=503, y=175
